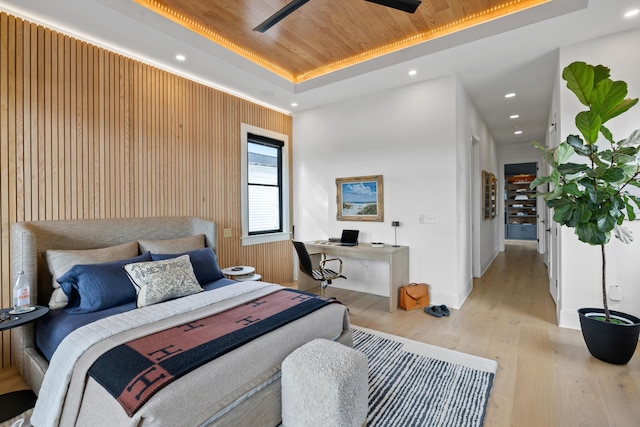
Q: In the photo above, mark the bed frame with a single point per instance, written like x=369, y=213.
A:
x=31, y=239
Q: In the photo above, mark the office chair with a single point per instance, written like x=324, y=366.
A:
x=321, y=274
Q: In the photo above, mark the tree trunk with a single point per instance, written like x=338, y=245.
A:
x=604, y=285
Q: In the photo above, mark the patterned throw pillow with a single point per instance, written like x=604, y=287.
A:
x=158, y=281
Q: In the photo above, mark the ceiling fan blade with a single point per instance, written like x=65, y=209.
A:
x=404, y=5
x=279, y=15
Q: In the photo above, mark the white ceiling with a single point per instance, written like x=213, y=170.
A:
x=512, y=54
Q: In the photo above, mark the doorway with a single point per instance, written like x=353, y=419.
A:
x=520, y=205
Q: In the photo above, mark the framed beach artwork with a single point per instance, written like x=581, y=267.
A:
x=360, y=198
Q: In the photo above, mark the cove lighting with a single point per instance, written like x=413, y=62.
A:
x=514, y=116
x=632, y=12
x=181, y=57
x=510, y=95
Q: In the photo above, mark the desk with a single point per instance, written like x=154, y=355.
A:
x=396, y=257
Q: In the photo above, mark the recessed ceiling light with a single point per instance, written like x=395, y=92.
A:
x=510, y=95
x=518, y=132
x=180, y=57
x=514, y=116
x=294, y=104
x=413, y=72
x=632, y=12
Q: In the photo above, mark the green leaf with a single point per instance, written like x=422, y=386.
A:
x=631, y=212
x=600, y=72
x=588, y=233
x=620, y=108
x=607, y=134
x=607, y=155
x=606, y=97
x=563, y=152
x=577, y=144
x=614, y=174
x=563, y=213
x=628, y=151
x=633, y=139
x=582, y=213
x=606, y=223
x=539, y=181
x=547, y=154
x=580, y=79
x=629, y=172
x=589, y=123
x=572, y=168
x=571, y=189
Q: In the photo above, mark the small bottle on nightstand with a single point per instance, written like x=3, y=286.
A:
x=21, y=294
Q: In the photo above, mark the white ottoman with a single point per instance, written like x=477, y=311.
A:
x=325, y=383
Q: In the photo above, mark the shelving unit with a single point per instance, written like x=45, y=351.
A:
x=489, y=195
x=521, y=214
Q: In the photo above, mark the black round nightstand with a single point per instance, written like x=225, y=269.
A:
x=22, y=318
x=16, y=402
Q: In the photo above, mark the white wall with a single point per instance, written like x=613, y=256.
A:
x=470, y=125
x=580, y=275
x=413, y=138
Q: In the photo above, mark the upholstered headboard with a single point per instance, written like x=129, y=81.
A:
x=30, y=241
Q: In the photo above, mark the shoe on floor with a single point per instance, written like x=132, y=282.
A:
x=434, y=310
x=445, y=310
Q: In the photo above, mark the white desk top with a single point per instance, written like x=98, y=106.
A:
x=385, y=248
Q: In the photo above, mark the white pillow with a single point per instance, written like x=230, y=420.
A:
x=60, y=261
x=157, y=281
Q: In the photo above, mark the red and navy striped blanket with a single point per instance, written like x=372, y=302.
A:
x=134, y=371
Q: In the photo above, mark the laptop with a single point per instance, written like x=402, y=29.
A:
x=349, y=238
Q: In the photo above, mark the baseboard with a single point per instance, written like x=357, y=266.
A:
x=487, y=263
x=569, y=319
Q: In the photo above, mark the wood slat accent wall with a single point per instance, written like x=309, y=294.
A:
x=88, y=133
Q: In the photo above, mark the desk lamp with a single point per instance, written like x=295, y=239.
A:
x=395, y=225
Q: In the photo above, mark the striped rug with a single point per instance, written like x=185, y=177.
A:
x=417, y=384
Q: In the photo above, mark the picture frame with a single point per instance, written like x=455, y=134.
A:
x=360, y=198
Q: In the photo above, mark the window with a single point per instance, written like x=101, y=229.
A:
x=264, y=180
x=265, y=186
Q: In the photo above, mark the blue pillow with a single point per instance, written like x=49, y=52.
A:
x=204, y=262
x=94, y=287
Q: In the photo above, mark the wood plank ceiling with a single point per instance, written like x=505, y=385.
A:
x=326, y=35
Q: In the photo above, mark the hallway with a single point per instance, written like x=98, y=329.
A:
x=546, y=376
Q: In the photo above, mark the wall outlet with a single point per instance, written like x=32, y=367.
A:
x=615, y=293
x=226, y=232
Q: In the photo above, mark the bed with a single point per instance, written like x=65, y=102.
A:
x=238, y=386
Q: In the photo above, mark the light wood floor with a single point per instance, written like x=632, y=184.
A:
x=545, y=377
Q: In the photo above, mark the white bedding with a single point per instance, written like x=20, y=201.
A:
x=57, y=380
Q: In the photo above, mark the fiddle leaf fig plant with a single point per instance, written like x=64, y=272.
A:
x=592, y=173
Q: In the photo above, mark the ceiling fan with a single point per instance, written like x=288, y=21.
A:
x=404, y=5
